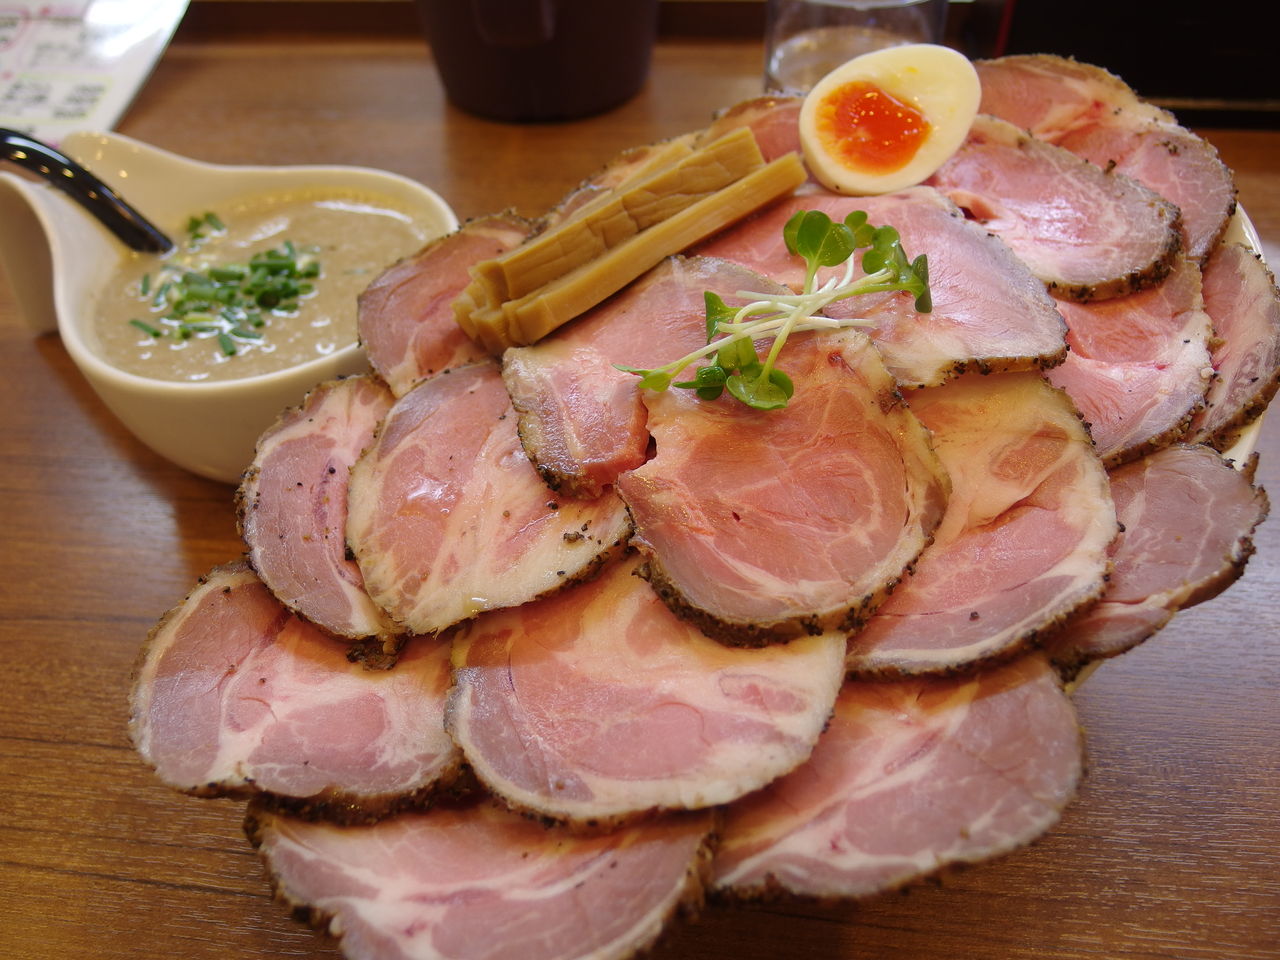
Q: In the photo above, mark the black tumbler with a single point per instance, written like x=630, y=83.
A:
x=527, y=60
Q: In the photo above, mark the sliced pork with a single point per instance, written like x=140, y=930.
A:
x=598, y=704
x=990, y=312
x=1242, y=301
x=1089, y=234
x=911, y=777
x=1050, y=95
x=447, y=517
x=292, y=506
x=1095, y=114
x=237, y=696
x=582, y=421
x=1177, y=164
x=760, y=526
x=479, y=883
x=775, y=121
x=405, y=317
x=1188, y=530
x=1139, y=365
x=1024, y=539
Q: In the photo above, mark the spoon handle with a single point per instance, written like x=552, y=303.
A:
x=105, y=204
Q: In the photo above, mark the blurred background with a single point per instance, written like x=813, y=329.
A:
x=1205, y=62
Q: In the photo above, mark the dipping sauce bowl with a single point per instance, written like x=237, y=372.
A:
x=61, y=262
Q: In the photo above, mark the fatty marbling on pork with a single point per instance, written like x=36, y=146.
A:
x=1188, y=520
x=1087, y=233
x=476, y=881
x=597, y=705
x=1095, y=114
x=913, y=776
x=447, y=517
x=292, y=506
x=1024, y=540
x=1139, y=366
x=763, y=528
x=237, y=696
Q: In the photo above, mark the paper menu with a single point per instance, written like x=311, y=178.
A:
x=77, y=64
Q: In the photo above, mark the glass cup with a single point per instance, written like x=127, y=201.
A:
x=806, y=39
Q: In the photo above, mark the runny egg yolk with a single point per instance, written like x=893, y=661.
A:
x=870, y=130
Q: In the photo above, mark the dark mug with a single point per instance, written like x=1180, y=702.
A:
x=540, y=59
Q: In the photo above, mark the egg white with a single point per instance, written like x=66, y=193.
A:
x=937, y=81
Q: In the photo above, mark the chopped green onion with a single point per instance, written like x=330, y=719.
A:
x=232, y=271
x=230, y=299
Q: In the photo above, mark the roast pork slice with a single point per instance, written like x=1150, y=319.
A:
x=292, y=506
x=1188, y=520
x=582, y=421
x=405, y=317
x=447, y=517
x=1024, y=540
x=1176, y=163
x=1242, y=301
x=1133, y=408
x=990, y=312
x=775, y=121
x=760, y=526
x=1050, y=95
x=598, y=704
x=912, y=776
x=235, y=695
x=1089, y=234
x=1096, y=115
x=1139, y=365
x=469, y=882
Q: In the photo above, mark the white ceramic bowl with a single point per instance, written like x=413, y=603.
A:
x=208, y=428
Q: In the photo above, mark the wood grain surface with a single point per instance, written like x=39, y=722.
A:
x=1171, y=849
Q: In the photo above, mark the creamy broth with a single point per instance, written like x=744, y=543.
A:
x=352, y=238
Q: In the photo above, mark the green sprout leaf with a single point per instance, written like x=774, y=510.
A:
x=759, y=390
x=736, y=354
x=732, y=333
x=708, y=383
x=717, y=312
x=920, y=271
x=658, y=379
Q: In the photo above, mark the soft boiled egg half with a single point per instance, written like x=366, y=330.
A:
x=888, y=119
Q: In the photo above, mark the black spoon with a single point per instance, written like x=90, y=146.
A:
x=84, y=188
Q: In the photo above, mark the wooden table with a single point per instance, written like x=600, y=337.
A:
x=1172, y=848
